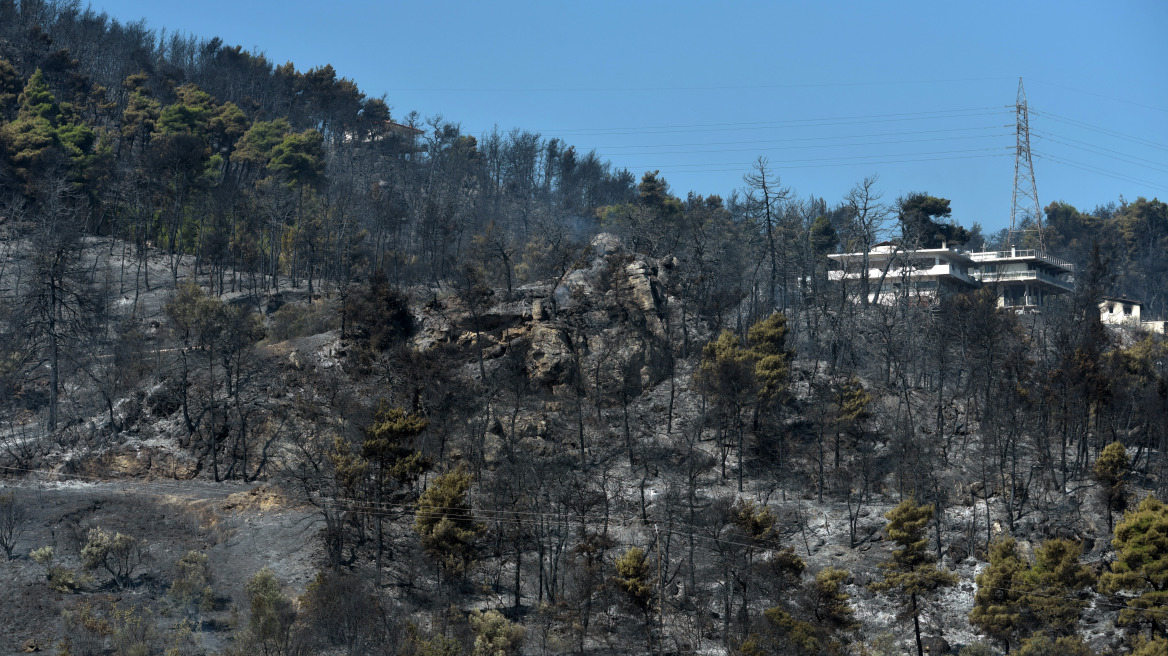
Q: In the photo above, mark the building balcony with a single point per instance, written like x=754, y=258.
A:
x=988, y=278
x=1022, y=254
x=935, y=272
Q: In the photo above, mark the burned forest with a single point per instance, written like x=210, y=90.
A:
x=285, y=372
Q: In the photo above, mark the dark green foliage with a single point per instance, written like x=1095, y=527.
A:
x=10, y=86
x=756, y=523
x=1110, y=470
x=119, y=554
x=823, y=236
x=830, y=604
x=42, y=126
x=633, y=577
x=259, y=142
x=389, y=444
x=768, y=347
x=299, y=158
x=192, y=582
x=446, y=524
x=379, y=315
x=918, y=213
x=996, y=605
x=1141, y=566
x=1015, y=599
x=1056, y=587
x=911, y=571
x=271, y=616
x=784, y=634
x=1041, y=645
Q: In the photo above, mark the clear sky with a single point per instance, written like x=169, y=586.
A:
x=921, y=93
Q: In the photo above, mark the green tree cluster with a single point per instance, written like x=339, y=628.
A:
x=1017, y=600
x=738, y=379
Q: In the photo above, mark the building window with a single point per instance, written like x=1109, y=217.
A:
x=1127, y=310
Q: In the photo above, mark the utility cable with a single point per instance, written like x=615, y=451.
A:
x=809, y=146
x=778, y=166
x=798, y=122
x=857, y=157
x=1098, y=171
x=799, y=139
x=1102, y=130
x=1100, y=150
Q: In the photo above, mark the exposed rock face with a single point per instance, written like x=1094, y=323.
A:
x=138, y=461
x=550, y=359
x=645, y=293
x=608, y=318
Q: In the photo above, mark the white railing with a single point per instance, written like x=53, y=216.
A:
x=1025, y=301
x=1021, y=254
x=1006, y=276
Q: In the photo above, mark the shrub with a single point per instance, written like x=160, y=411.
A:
x=60, y=578
x=379, y=314
x=118, y=554
x=495, y=635
x=294, y=320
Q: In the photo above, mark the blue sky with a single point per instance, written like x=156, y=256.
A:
x=920, y=93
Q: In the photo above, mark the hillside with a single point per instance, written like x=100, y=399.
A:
x=584, y=426
x=282, y=374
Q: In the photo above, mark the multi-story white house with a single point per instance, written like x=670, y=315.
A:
x=1022, y=279
x=892, y=273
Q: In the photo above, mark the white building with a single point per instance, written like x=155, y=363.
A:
x=920, y=275
x=1121, y=311
x=1023, y=278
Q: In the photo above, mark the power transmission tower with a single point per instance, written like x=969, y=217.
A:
x=1025, y=190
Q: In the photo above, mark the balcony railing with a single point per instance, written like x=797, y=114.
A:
x=1021, y=254
x=1024, y=301
x=1010, y=276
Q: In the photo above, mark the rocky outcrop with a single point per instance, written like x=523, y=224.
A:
x=645, y=293
x=550, y=358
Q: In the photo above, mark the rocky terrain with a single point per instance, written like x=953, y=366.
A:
x=578, y=408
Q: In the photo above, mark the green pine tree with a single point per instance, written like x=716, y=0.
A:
x=996, y=604
x=1110, y=470
x=1055, y=587
x=1141, y=566
x=911, y=571
x=445, y=522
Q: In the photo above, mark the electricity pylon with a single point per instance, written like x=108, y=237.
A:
x=1025, y=190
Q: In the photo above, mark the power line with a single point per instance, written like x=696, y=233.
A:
x=1100, y=150
x=772, y=165
x=1093, y=169
x=1100, y=95
x=648, y=89
x=1102, y=130
x=808, y=146
x=797, y=139
x=801, y=122
x=851, y=157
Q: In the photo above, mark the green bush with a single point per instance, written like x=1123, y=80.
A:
x=294, y=320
